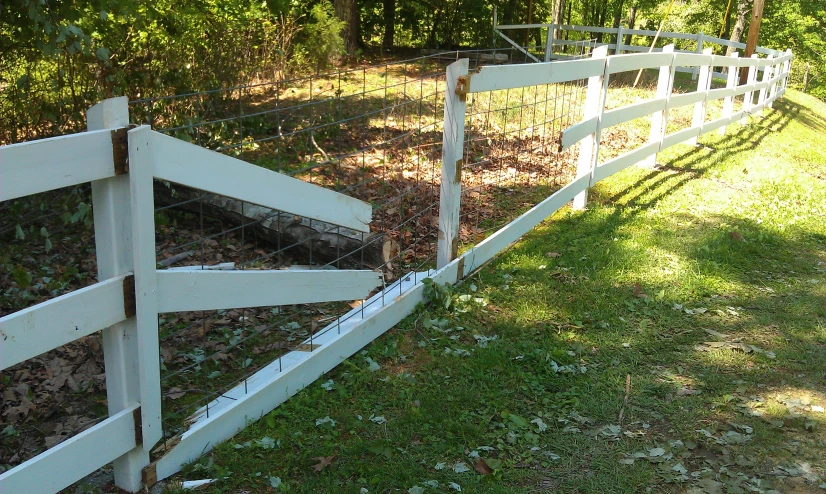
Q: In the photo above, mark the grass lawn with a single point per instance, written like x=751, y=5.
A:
x=670, y=338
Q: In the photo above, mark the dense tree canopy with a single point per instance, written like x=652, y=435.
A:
x=67, y=54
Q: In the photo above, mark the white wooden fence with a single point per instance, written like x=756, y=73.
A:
x=121, y=163
x=553, y=38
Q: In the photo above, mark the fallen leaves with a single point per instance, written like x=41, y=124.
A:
x=323, y=462
x=482, y=467
x=708, y=346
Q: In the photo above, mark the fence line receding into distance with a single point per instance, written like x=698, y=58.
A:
x=510, y=135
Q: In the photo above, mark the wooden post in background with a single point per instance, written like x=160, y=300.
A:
x=113, y=249
x=754, y=34
x=703, y=83
x=659, y=120
x=453, y=136
x=618, y=48
x=589, y=146
x=728, y=102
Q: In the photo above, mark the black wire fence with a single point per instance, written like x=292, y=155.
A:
x=373, y=133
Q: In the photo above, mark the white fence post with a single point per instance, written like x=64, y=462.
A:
x=450, y=190
x=787, y=69
x=141, y=171
x=777, y=69
x=618, y=48
x=761, y=98
x=113, y=249
x=695, y=73
x=549, y=43
x=589, y=145
x=748, y=98
x=731, y=83
x=659, y=120
x=703, y=83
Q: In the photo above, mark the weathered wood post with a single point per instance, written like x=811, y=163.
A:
x=659, y=119
x=453, y=136
x=703, y=83
x=589, y=145
x=731, y=83
x=111, y=200
x=618, y=47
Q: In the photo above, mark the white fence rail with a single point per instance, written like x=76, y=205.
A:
x=555, y=32
x=131, y=292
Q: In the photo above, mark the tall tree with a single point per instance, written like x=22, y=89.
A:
x=743, y=8
x=389, y=15
x=347, y=11
x=632, y=17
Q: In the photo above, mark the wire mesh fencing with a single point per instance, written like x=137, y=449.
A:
x=374, y=133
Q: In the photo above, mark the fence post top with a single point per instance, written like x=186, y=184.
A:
x=600, y=52
x=109, y=113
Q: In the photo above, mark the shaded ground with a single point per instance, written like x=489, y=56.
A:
x=672, y=338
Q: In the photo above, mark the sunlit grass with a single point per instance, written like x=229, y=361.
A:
x=724, y=243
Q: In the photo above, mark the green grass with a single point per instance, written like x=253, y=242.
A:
x=735, y=227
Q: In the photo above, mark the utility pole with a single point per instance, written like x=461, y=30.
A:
x=754, y=33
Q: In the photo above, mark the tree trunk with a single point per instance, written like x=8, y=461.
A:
x=743, y=8
x=316, y=240
x=347, y=11
x=632, y=17
x=616, y=23
x=529, y=20
x=389, y=11
x=558, y=15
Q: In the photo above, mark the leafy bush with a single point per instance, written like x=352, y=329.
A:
x=322, y=42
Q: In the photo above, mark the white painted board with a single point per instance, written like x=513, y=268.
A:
x=497, y=77
x=180, y=291
x=623, y=161
x=37, y=166
x=74, y=458
x=142, y=155
x=187, y=164
x=636, y=61
x=29, y=332
x=630, y=112
x=577, y=132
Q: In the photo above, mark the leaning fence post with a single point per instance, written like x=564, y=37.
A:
x=697, y=70
x=778, y=69
x=703, y=83
x=659, y=119
x=761, y=98
x=453, y=136
x=549, y=42
x=731, y=83
x=787, y=70
x=113, y=250
x=748, y=98
x=589, y=145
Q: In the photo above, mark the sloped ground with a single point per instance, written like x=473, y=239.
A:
x=671, y=338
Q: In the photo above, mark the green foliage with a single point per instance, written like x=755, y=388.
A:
x=323, y=39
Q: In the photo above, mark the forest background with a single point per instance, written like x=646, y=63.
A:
x=57, y=58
